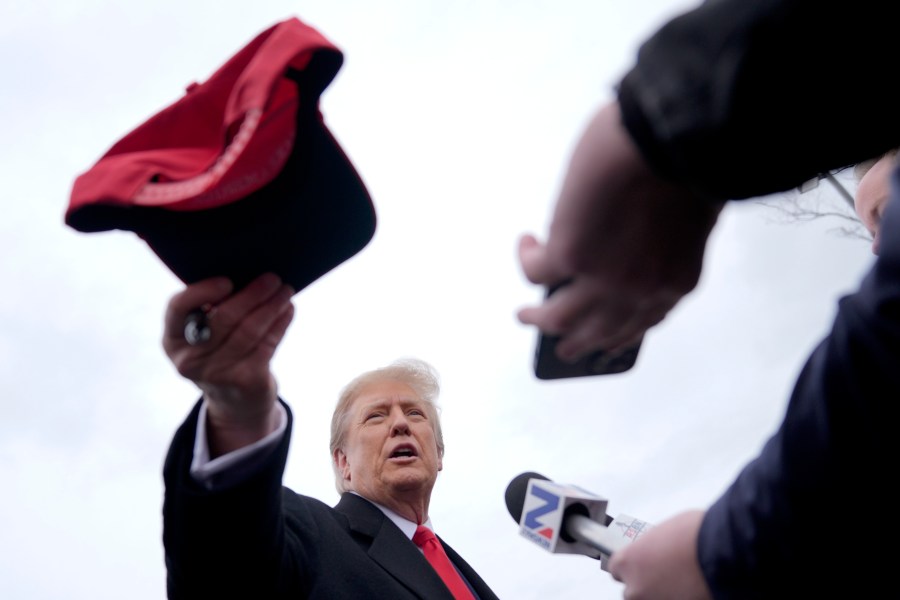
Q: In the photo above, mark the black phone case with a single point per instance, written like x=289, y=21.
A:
x=548, y=366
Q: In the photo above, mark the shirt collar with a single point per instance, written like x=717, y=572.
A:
x=406, y=526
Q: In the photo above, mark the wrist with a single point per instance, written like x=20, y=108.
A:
x=231, y=426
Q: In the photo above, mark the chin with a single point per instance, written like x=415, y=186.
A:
x=412, y=481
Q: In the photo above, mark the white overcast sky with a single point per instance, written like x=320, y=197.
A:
x=460, y=117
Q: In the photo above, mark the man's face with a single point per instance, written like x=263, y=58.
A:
x=872, y=197
x=390, y=450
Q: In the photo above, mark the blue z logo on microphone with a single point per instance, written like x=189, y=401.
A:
x=551, y=503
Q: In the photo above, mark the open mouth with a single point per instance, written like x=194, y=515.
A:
x=403, y=452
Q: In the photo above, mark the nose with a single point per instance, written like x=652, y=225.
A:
x=399, y=423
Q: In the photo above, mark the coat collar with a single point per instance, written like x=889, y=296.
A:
x=391, y=549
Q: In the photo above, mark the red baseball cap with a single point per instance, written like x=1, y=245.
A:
x=240, y=176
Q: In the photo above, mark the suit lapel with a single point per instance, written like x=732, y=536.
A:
x=391, y=549
x=482, y=590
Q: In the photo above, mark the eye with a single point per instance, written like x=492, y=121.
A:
x=373, y=416
x=415, y=412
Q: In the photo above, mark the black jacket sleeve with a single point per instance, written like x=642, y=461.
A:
x=229, y=543
x=744, y=98
x=804, y=518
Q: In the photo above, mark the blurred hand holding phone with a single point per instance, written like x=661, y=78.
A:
x=548, y=366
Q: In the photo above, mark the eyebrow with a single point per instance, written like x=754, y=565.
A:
x=384, y=402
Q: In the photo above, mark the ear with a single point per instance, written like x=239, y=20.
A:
x=343, y=465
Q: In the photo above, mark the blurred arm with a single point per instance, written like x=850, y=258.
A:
x=727, y=101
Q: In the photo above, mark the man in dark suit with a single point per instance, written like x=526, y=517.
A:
x=232, y=530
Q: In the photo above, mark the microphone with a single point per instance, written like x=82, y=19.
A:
x=566, y=519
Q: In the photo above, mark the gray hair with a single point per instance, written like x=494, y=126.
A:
x=416, y=373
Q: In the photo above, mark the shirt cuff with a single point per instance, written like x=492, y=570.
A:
x=231, y=468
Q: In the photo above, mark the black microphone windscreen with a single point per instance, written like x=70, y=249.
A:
x=515, y=493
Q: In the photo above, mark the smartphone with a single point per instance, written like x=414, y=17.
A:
x=548, y=366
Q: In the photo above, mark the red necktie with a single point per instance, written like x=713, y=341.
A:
x=434, y=552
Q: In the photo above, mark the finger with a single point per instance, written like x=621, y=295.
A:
x=592, y=319
x=529, y=257
x=280, y=326
x=587, y=337
x=535, y=263
x=237, y=350
x=228, y=314
x=261, y=328
x=612, y=327
x=557, y=314
x=615, y=564
x=249, y=348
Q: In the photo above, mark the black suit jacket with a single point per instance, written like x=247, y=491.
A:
x=258, y=539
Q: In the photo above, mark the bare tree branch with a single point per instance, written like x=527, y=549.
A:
x=833, y=202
